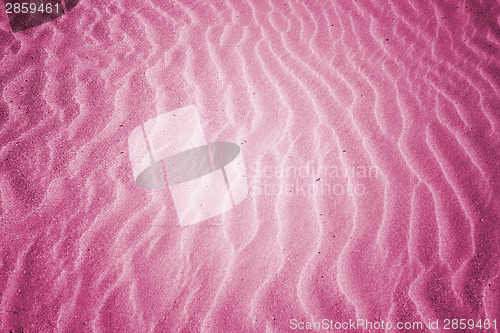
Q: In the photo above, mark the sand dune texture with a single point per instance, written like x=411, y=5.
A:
x=370, y=132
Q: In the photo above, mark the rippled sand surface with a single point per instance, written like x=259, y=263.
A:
x=370, y=132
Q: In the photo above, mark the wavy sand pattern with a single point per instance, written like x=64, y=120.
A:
x=370, y=132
